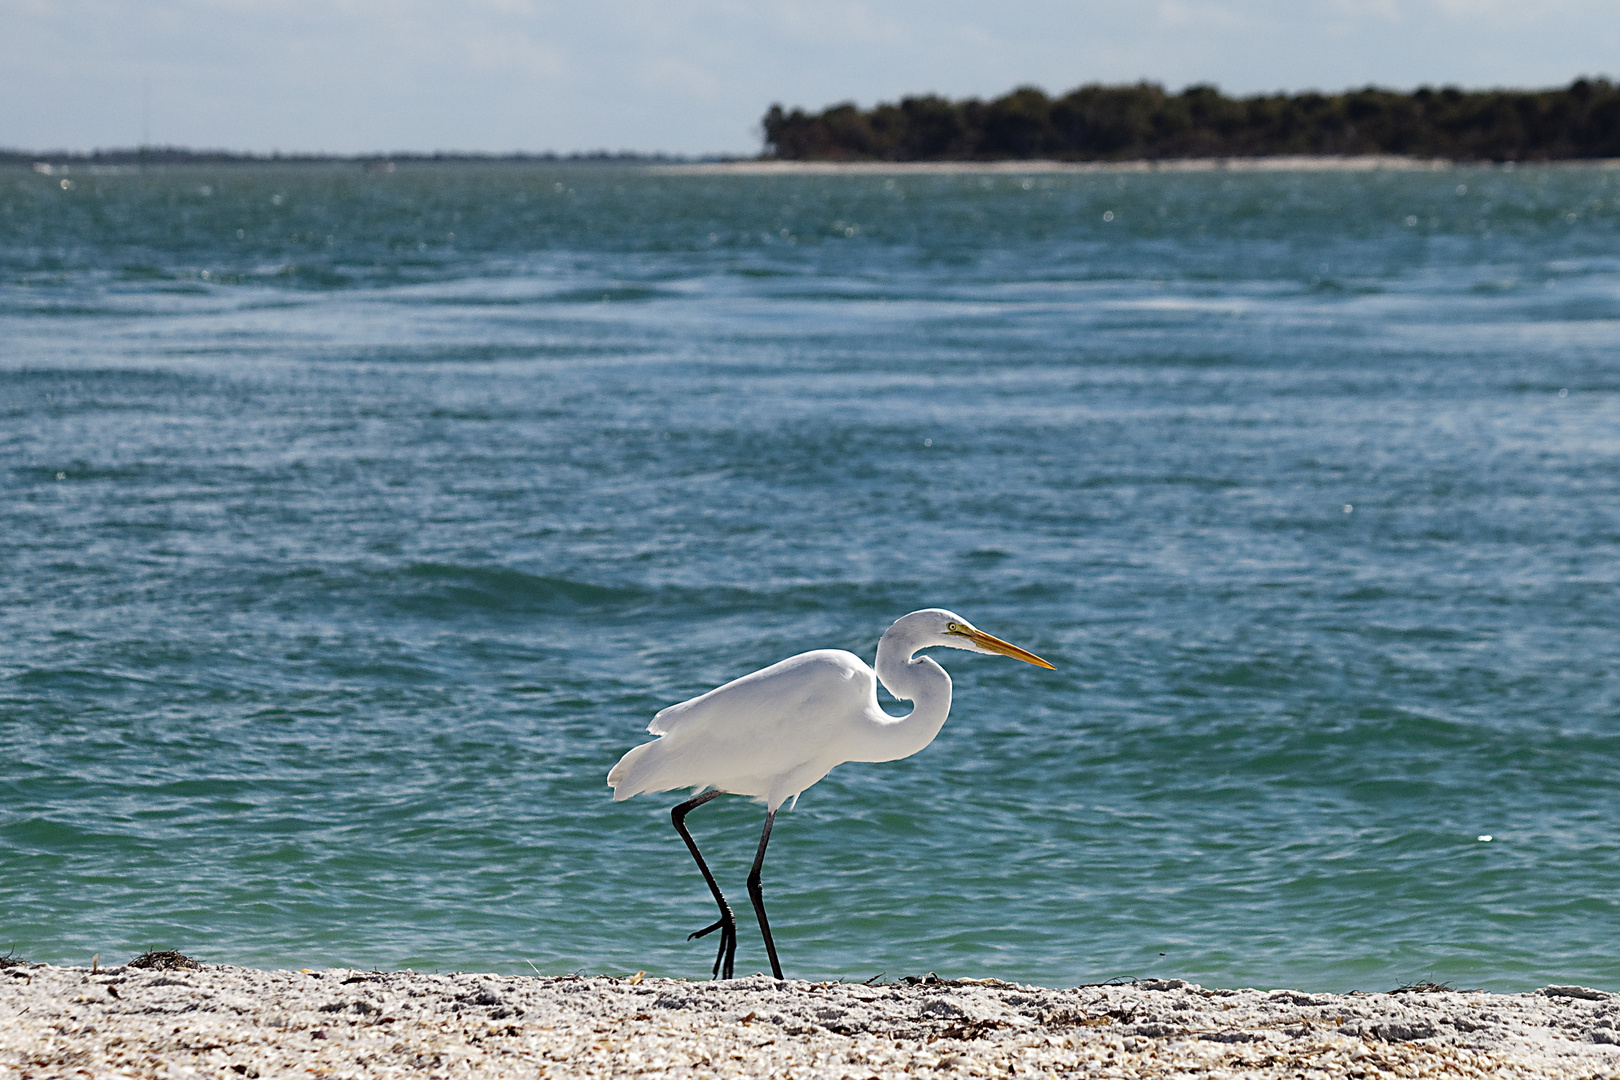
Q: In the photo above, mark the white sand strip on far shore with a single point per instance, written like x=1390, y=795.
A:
x=234, y=1022
x=1279, y=163
x=1290, y=163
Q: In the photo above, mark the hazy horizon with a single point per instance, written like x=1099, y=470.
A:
x=533, y=76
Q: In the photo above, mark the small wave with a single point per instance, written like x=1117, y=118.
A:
x=612, y=294
x=1392, y=726
x=487, y=353
x=45, y=835
x=448, y=589
x=305, y=276
x=143, y=272
x=75, y=679
x=444, y=588
x=61, y=310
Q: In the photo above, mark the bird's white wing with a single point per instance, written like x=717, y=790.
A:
x=773, y=727
x=798, y=686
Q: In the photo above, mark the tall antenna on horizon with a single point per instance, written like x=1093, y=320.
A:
x=146, y=112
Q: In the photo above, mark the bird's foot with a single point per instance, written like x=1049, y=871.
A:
x=728, y=943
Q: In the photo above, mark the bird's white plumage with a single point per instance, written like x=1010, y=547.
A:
x=776, y=731
x=764, y=735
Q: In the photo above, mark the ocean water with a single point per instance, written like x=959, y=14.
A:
x=354, y=523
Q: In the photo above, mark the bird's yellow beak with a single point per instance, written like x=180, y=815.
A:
x=994, y=644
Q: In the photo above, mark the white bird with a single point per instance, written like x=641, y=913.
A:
x=773, y=733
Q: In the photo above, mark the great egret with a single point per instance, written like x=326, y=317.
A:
x=771, y=734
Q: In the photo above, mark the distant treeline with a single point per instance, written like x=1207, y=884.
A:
x=1115, y=123
x=176, y=155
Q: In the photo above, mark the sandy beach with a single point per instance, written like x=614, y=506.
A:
x=229, y=1022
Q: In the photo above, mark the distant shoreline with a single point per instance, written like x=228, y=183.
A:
x=104, y=162
x=174, y=155
x=1278, y=163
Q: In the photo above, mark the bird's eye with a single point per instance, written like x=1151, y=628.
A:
x=953, y=628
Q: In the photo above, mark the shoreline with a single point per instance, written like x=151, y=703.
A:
x=238, y=1022
x=112, y=164
x=1279, y=163
x=1275, y=164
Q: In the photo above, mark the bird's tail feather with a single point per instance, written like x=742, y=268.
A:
x=631, y=775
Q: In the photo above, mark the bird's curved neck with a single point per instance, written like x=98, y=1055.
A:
x=916, y=679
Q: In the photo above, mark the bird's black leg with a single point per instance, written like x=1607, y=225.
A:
x=757, y=894
x=727, y=925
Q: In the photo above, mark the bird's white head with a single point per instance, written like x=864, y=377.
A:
x=937, y=626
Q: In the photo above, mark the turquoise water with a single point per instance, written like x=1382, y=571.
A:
x=355, y=523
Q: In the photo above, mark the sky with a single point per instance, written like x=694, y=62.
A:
x=695, y=76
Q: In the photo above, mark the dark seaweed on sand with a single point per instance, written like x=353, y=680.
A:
x=1424, y=988
x=167, y=960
